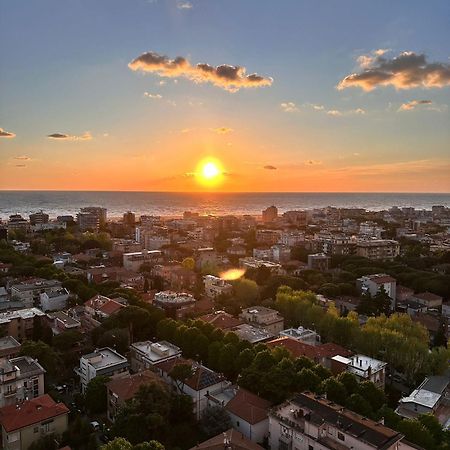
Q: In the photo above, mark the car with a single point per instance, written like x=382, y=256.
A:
x=95, y=425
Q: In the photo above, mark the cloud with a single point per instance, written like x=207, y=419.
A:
x=230, y=78
x=405, y=71
x=269, y=167
x=222, y=130
x=6, y=134
x=413, y=104
x=20, y=165
x=153, y=96
x=184, y=5
x=312, y=162
x=23, y=158
x=334, y=112
x=289, y=107
x=68, y=137
x=350, y=112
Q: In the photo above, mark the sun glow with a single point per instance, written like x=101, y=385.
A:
x=209, y=172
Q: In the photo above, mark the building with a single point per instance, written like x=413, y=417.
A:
x=97, y=211
x=197, y=386
x=99, y=308
x=297, y=218
x=280, y=253
x=262, y=317
x=9, y=348
x=134, y=260
x=129, y=219
x=222, y=320
x=231, y=439
x=309, y=422
x=27, y=422
x=176, y=304
x=176, y=276
x=363, y=367
x=270, y=214
x=378, y=249
x=248, y=412
x=104, y=361
x=254, y=263
x=60, y=322
x=301, y=334
x=318, y=261
x=54, y=300
x=17, y=223
x=124, y=387
x=205, y=256
x=144, y=355
x=430, y=397
x=21, y=378
x=428, y=299
x=268, y=237
x=252, y=334
x=38, y=218
x=29, y=293
x=374, y=284
x=215, y=286
x=20, y=324
x=88, y=221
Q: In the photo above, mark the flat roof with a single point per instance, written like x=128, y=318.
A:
x=104, y=357
x=8, y=342
x=252, y=334
x=156, y=351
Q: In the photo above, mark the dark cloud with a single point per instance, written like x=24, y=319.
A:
x=269, y=167
x=6, y=134
x=69, y=137
x=230, y=78
x=405, y=71
x=23, y=158
x=413, y=104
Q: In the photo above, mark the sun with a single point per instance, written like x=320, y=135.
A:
x=209, y=172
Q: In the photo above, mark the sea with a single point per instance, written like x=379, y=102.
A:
x=172, y=204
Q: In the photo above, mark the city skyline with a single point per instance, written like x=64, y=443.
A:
x=307, y=97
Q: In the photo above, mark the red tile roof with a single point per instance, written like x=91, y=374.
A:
x=30, y=412
x=248, y=406
x=221, y=320
x=237, y=441
x=111, y=307
x=314, y=352
x=126, y=387
x=428, y=296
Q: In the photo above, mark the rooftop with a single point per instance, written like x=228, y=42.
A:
x=7, y=343
x=30, y=412
x=156, y=351
x=359, y=363
x=125, y=387
x=26, y=313
x=231, y=440
x=248, y=406
x=252, y=334
x=221, y=319
x=104, y=357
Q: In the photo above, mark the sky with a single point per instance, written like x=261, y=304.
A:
x=286, y=95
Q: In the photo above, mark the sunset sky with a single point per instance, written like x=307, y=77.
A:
x=286, y=95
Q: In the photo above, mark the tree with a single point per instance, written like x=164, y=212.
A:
x=48, y=442
x=246, y=291
x=335, y=390
x=96, y=395
x=151, y=445
x=360, y=405
x=46, y=356
x=214, y=421
x=188, y=263
x=180, y=373
x=67, y=340
x=146, y=285
x=417, y=433
x=117, y=444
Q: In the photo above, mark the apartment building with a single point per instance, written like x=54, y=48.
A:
x=318, y=261
x=29, y=292
x=9, y=348
x=21, y=378
x=270, y=214
x=309, y=422
x=378, y=249
x=19, y=324
x=215, y=286
x=54, y=300
x=27, y=422
x=373, y=284
x=146, y=354
x=176, y=304
x=262, y=317
x=104, y=361
x=134, y=260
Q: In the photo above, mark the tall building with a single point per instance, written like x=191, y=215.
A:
x=129, y=219
x=270, y=214
x=38, y=217
x=88, y=221
x=95, y=211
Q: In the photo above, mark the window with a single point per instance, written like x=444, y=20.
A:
x=35, y=429
x=341, y=437
x=310, y=447
x=237, y=423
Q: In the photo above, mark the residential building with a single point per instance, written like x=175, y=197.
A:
x=297, y=218
x=268, y=237
x=129, y=219
x=60, y=322
x=19, y=324
x=124, y=387
x=88, y=221
x=254, y=263
x=176, y=304
x=104, y=361
x=29, y=292
x=222, y=320
x=248, y=412
x=98, y=212
x=230, y=439
x=262, y=317
x=9, y=348
x=99, y=308
x=363, y=367
x=38, y=218
x=318, y=261
x=373, y=284
x=301, y=334
x=309, y=422
x=252, y=334
x=378, y=249
x=270, y=214
x=29, y=421
x=197, y=386
x=205, y=256
x=21, y=378
x=428, y=299
x=430, y=397
x=215, y=286
x=134, y=260
x=17, y=223
x=146, y=354
x=54, y=300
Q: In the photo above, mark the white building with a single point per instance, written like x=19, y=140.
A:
x=29, y=293
x=104, y=361
x=302, y=335
x=308, y=422
x=373, y=284
x=54, y=300
x=215, y=286
x=21, y=378
x=146, y=354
